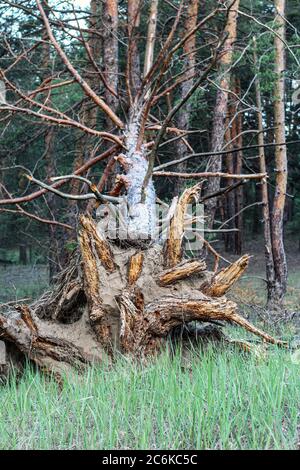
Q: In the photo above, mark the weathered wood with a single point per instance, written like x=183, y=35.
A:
x=166, y=313
x=173, y=244
x=225, y=279
x=101, y=245
x=92, y=284
x=135, y=267
x=181, y=271
x=51, y=352
x=131, y=304
x=125, y=308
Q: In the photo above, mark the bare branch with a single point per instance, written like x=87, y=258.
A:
x=87, y=89
x=221, y=152
x=78, y=197
x=80, y=170
x=207, y=174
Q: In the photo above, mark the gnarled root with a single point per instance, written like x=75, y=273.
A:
x=145, y=331
x=123, y=298
x=47, y=344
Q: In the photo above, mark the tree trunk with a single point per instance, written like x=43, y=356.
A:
x=230, y=136
x=124, y=290
x=238, y=170
x=220, y=111
x=88, y=114
x=122, y=298
x=133, y=60
x=56, y=253
x=184, y=115
x=110, y=52
x=270, y=274
x=149, y=53
x=280, y=266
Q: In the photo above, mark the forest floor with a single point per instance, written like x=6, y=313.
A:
x=217, y=398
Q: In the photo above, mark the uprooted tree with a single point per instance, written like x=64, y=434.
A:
x=123, y=292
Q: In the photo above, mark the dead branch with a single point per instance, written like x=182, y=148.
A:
x=81, y=169
x=87, y=89
x=222, y=152
x=207, y=174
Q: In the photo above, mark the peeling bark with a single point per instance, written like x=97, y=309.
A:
x=135, y=267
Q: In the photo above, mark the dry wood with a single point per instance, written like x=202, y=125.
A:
x=92, y=289
x=132, y=309
x=173, y=245
x=101, y=245
x=224, y=280
x=51, y=352
x=135, y=267
x=181, y=271
x=168, y=312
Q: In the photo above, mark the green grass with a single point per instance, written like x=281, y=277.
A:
x=220, y=399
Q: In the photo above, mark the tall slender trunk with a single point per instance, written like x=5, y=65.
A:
x=270, y=274
x=133, y=61
x=56, y=249
x=151, y=36
x=239, y=194
x=110, y=55
x=110, y=52
x=230, y=136
x=220, y=111
x=280, y=265
x=184, y=115
x=88, y=113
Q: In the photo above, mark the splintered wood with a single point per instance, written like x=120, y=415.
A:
x=146, y=301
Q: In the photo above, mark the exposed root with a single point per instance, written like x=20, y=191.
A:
x=101, y=245
x=161, y=316
x=173, y=245
x=224, y=279
x=66, y=300
x=239, y=320
x=92, y=285
x=135, y=267
x=182, y=271
x=116, y=297
x=51, y=352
